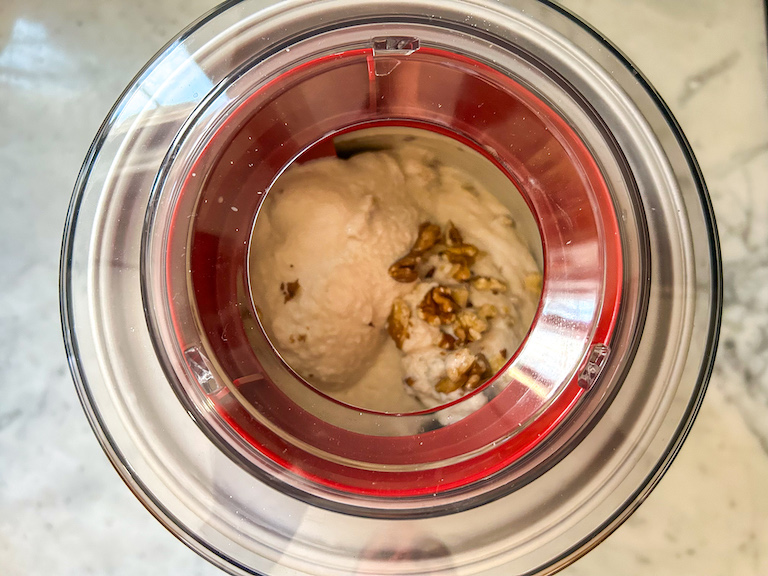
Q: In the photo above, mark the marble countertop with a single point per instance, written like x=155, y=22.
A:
x=64, y=511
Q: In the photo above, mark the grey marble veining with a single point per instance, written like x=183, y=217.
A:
x=719, y=97
x=64, y=511
x=712, y=70
x=709, y=61
x=742, y=367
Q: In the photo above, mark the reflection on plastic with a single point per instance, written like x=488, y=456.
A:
x=165, y=75
x=197, y=365
x=402, y=547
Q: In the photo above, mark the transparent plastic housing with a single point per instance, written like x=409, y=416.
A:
x=259, y=472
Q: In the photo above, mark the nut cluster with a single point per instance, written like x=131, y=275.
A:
x=472, y=370
x=447, y=307
x=450, y=246
x=398, y=321
x=289, y=290
x=406, y=269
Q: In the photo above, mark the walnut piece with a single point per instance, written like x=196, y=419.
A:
x=446, y=385
x=469, y=372
x=498, y=360
x=485, y=284
x=533, y=282
x=429, y=235
x=479, y=372
x=459, y=364
x=289, y=290
x=405, y=269
x=462, y=256
x=447, y=342
x=398, y=321
x=452, y=235
x=438, y=306
x=462, y=336
x=487, y=311
x=461, y=253
x=473, y=325
x=460, y=295
x=461, y=272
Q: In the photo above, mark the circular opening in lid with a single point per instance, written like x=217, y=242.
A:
x=368, y=223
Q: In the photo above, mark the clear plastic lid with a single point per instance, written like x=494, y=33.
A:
x=262, y=473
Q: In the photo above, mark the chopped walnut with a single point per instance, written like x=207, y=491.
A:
x=460, y=364
x=468, y=371
x=482, y=364
x=461, y=253
x=429, y=235
x=452, y=235
x=461, y=272
x=472, y=324
x=405, y=269
x=473, y=381
x=533, y=282
x=447, y=342
x=462, y=256
x=398, y=320
x=446, y=385
x=438, y=306
x=497, y=362
x=460, y=295
x=289, y=290
x=487, y=311
x=479, y=372
x=484, y=283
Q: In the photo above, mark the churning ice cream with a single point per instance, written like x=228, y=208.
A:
x=390, y=280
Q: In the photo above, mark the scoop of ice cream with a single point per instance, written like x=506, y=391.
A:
x=321, y=249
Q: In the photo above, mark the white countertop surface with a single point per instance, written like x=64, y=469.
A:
x=64, y=511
